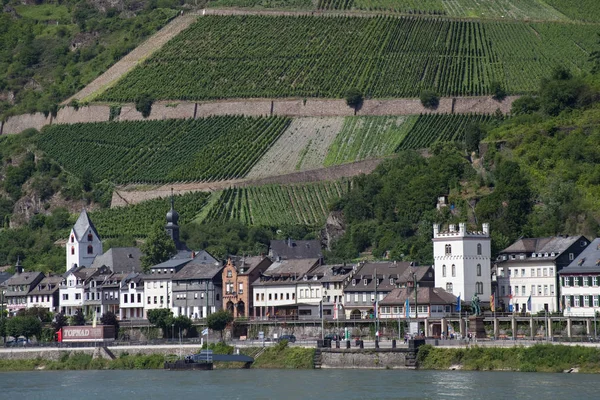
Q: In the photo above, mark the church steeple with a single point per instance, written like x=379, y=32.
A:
x=172, y=228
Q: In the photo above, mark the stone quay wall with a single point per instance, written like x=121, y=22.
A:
x=365, y=358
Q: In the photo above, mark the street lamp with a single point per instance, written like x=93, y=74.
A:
x=172, y=331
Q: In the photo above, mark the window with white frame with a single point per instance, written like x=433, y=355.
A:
x=551, y=290
x=545, y=290
x=516, y=290
x=444, y=270
x=449, y=287
x=586, y=301
x=364, y=297
x=356, y=297
x=595, y=301
x=576, y=302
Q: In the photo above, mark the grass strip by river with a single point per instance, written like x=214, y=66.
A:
x=538, y=358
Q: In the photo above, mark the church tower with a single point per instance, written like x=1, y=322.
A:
x=172, y=228
x=84, y=243
x=463, y=261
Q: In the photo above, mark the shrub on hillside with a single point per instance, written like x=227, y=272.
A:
x=525, y=105
x=143, y=103
x=354, y=98
x=498, y=92
x=429, y=99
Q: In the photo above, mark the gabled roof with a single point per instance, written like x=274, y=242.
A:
x=295, y=267
x=294, y=249
x=248, y=264
x=425, y=295
x=83, y=225
x=48, y=285
x=24, y=278
x=197, y=270
x=588, y=261
x=120, y=259
x=546, y=245
x=384, y=270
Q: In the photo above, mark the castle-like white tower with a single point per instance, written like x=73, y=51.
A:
x=463, y=261
x=84, y=243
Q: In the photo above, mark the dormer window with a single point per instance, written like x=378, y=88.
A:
x=545, y=254
x=552, y=254
x=391, y=281
x=353, y=282
x=90, y=237
x=365, y=282
x=533, y=255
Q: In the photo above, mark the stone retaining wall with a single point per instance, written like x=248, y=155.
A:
x=259, y=107
x=364, y=359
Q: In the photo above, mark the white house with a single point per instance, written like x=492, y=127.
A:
x=580, y=283
x=462, y=261
x=286, y=290
x=132, y=297
x=529, y=267
x=72, y=288
x=84, y=243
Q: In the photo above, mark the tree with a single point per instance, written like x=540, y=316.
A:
x=143, y=103
x=40, y=313
x=218, y=321
x=24, y=326
x=59, y=321
x=473, y=134
x=161, y=318
x=182, y=323
x=429, y=99
x=498, y=92
x=109, y=318
x=159, y=247
x=78, y=318
x=525, y=105
x=354, y=98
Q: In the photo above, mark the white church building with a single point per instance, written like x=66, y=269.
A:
x=462, y=261
x=84, y=243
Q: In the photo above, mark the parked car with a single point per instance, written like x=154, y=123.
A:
x=289, y=338
x=334, y=337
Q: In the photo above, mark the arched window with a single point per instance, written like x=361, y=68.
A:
x=478, y=269
x=90, y=249
x=448, y=249
x=449, y=287
x=90, y=237
x=478, y=249
x=72, y=238
x=453, y=270
x=72, y=250
x=444, y=270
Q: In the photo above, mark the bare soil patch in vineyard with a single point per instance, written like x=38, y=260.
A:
x=302, y=146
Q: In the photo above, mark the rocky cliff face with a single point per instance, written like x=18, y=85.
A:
x=335, y=227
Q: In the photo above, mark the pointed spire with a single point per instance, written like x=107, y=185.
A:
x=83, y=225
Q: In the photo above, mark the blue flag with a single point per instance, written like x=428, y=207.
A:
x=458, y=303
x=407, y=308
x=529, y=303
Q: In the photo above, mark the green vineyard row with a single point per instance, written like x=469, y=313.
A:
x=278, y=205
x=275, y=56
x=213, y=148
x=138, y=220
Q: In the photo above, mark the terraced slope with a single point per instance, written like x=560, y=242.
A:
x=276, y=205
x=138, y=220
x=509, y=9
x=258, y=56
x=213, y=148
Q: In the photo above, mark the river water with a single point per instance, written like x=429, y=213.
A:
x=295, y=384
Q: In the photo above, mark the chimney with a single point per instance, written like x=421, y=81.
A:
x=436, y=230
x=462, y=228
x=452, y=228
x=193, y=254
x=486, y=228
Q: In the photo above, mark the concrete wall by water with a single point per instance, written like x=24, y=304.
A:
x=364, y=359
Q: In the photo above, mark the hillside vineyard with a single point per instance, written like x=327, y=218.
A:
x=213, y=148
x=259, y=56
x=273, y=205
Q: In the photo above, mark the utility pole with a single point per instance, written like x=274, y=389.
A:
x=416, y=305
x=376, y=308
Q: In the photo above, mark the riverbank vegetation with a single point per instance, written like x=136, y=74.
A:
x=538, y=358
x=282, y=356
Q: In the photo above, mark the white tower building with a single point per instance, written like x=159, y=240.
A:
x=463, y=261
x=84, y=243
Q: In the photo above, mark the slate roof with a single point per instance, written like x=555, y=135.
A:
x=83, y=225
x=426, y=295
x=48, y=285
x=549, y=245
x=248, y=263
x=588, y=261
x=295, y=267
x=24, y=278
x=120, y=259
x=294, y=249
x=4, y=276
x=385, y=271
x=195, y=270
